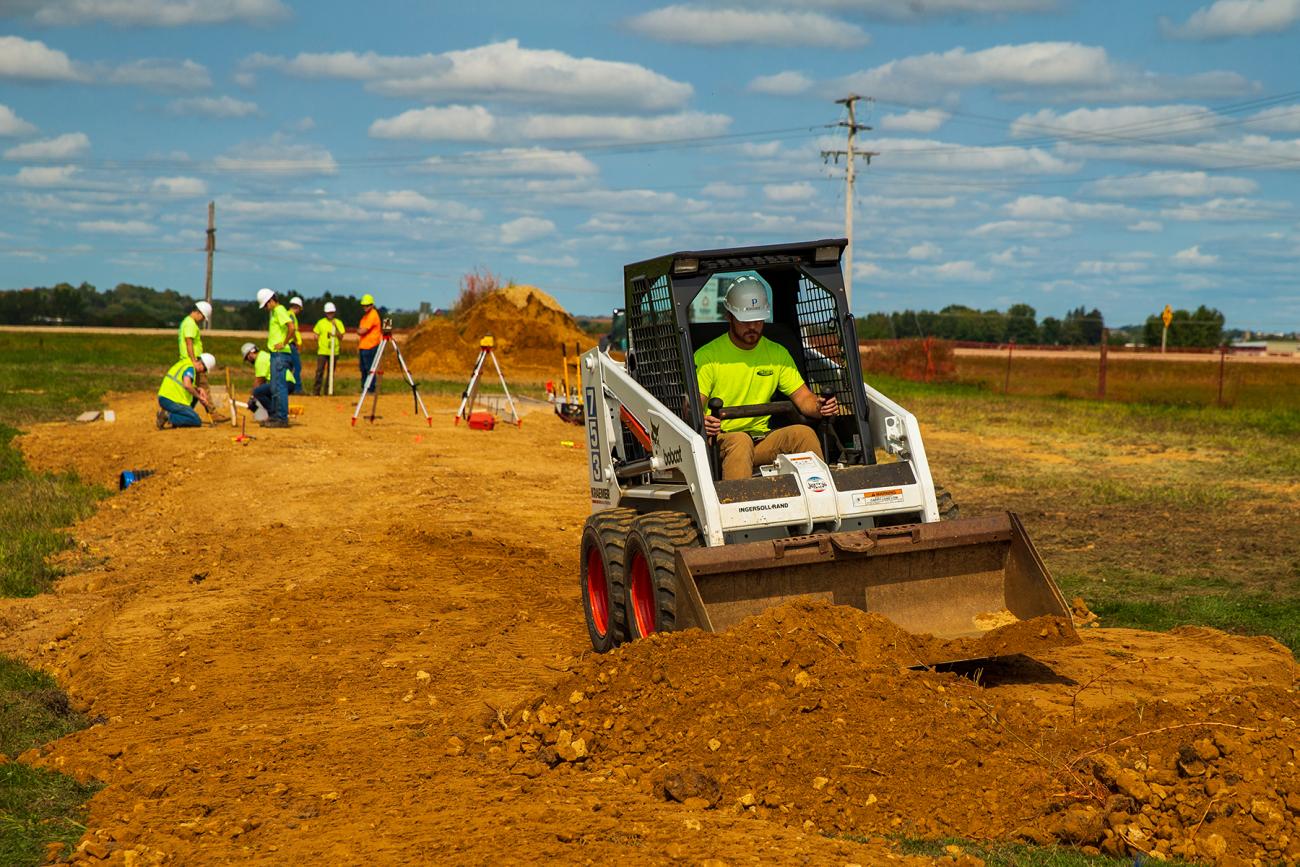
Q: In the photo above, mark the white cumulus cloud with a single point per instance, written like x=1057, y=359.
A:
x=12, y=124
x=180, y=186
x=45, y=176
x=148, y=13
x=787, y=83
x=1103, y=124
x=117, y=227
x=1061, y=208
x=944, y=156
x=33, y=60
x=277, y=158
x=72, y=144
x=1282, y=118
x=516, y=161
x=1170, y=184
x=157, y=74
x=924, y=250
x=1145, y=226
x=526, y=229
x=213, y=106
x=797, y=192
x=623, y=128
x=1227, y=18
x=446, y=123
x=500, y=70
x=918, y=120
x=1193, y=256
x=412, y=201
x=704, y=26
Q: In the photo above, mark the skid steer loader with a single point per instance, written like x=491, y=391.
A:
x=670, y=546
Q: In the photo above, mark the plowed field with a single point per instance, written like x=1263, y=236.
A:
x=365, y=645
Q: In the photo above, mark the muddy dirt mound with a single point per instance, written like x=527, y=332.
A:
x=528, y=325
x=809, y=714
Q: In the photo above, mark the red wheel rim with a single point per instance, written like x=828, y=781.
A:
x=643, y=597
x=597, y=591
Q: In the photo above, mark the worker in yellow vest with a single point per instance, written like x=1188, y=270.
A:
x=279, y=334
x=261, y=361
x=329, y=336
x=295, y=348
x=191, y=339
x=179, y=392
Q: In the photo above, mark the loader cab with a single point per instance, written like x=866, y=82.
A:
x=674, y=307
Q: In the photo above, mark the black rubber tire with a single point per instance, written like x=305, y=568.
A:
x=652, y=543
x=603, y=540
x=948, y=510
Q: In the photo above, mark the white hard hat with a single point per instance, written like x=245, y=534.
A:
x=263, y=296
x=747, y=300
x=295, y=300
x=209, y=361
x=330, y=308
x=247, y=348
x=205, y=308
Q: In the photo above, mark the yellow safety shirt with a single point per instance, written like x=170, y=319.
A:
x=173, y=384
x=745, y=376
x=278, y=330
x=190, y=329
x=324, y=326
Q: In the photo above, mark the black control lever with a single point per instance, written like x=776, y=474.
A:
x=715, y=450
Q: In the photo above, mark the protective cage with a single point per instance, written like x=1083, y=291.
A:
x=810, y=318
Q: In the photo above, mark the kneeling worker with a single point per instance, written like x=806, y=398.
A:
x=261, y=361
x=179, y=392
x=743, y=367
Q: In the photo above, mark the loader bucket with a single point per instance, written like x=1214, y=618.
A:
x=972, y=588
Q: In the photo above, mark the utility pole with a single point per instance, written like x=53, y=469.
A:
x=850, y=172
x=212, y=248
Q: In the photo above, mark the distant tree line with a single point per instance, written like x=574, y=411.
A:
x=958, y=322
x=128, y=305
x=1202, y=327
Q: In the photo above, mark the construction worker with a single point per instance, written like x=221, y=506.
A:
x=261, y=361
x=295, y=346
x=179, y=392
x=744, y=367
x=279, y=335
x=370, y=330
x=191, y=340
x=329, y=341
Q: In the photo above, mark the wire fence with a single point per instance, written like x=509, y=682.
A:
x=1204, y=378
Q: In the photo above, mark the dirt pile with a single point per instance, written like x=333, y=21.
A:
x=810, y=715
x=529, y=327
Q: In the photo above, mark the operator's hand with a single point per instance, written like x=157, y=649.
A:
x=277, y=347
x=712, y=425
x=828, y=407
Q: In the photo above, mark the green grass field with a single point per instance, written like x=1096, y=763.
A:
x=1246, y=384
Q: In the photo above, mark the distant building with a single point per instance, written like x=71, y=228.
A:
x=1266, y=347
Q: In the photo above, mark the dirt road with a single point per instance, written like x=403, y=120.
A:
x=319, y=647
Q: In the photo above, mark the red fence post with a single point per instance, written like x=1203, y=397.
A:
x=1101, y=373
x=1223, y=361
x=1006, y=383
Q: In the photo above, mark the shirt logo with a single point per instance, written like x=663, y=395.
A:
x=763, y=372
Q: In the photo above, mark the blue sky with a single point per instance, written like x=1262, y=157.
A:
x=1055, y=152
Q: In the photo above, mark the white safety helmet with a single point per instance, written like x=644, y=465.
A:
x=209, y=361
x=295, y=301
x=263, y=296
x=204, y=307
x=747, y=300
x=330, y=308
x=247, y=348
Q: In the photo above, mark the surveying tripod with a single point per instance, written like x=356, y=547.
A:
x=468, y=397
x=376, y=375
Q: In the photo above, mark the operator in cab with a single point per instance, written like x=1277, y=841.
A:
x=744, y=367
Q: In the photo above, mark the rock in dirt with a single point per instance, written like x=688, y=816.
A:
x=691, y=785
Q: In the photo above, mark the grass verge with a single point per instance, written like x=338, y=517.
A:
x=1010, y=854
x=37, y=808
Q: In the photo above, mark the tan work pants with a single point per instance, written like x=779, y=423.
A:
x=740, y=454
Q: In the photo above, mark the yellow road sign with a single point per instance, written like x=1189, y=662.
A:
x=1168, y=315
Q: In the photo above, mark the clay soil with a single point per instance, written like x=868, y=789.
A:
x=366, y=645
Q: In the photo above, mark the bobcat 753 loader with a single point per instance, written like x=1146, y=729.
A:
x=670, y=546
